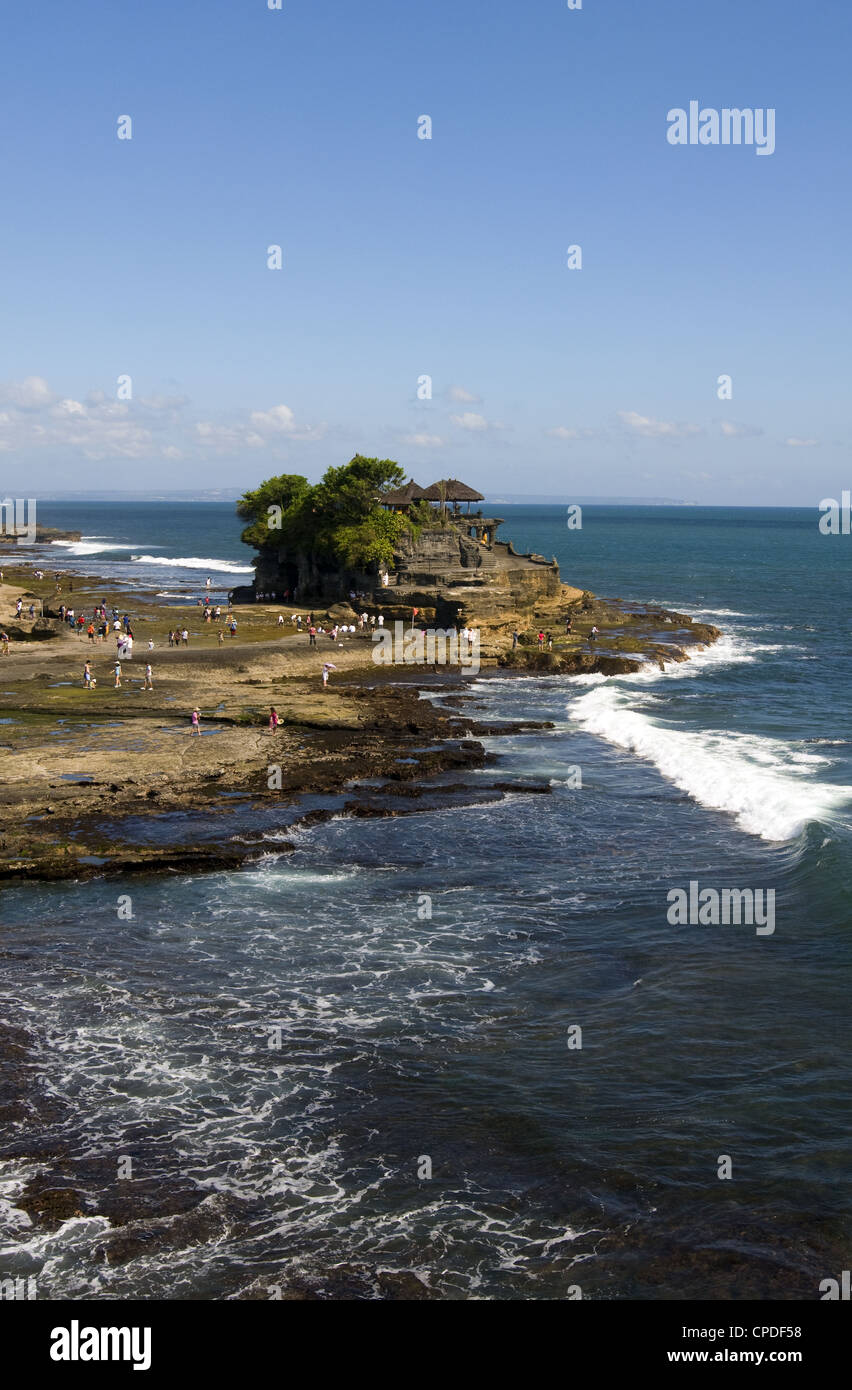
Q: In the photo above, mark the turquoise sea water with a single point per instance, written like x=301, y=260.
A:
x=403, y=1037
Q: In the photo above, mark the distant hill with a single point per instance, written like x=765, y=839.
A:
x=550, y=499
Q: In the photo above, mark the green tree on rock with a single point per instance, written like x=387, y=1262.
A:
x=339, y=520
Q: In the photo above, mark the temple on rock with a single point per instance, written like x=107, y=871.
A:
x=451, y=563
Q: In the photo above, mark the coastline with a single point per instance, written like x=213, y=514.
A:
x=108, y=780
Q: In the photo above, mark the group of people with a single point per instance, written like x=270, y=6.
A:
x=546, y=638
x=90, y=680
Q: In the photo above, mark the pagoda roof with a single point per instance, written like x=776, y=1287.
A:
x=451, y=490
x=401, y=496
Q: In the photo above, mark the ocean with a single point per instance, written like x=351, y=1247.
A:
x=363, y=1058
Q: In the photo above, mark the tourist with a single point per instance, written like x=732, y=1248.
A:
x=233, y=628
x=150, y=644
x=312, y=637
x=568, y=624
x=280, y=619
x=516, y=637
x=221, y=637
x=550, y=641
x=326, y=667
x=90, y=632
x=540, y=640
x=593, y=634
x=195, y=727
x=184, y=637
x=171, y=638
x=4, y=638
x=149, y=678
x=381, y=620
x=117, y=675
x=87, y=676
x=273, y=719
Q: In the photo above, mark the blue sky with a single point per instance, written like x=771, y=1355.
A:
x=406, y=257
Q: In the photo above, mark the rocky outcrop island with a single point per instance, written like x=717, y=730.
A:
x=365, y=539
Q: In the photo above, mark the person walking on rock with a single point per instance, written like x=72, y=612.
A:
x=149, y=678
x=195, y=727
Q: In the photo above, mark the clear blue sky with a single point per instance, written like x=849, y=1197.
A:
x=405, y=257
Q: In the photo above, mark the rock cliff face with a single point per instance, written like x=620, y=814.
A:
x=443, y=570
x=463, y=579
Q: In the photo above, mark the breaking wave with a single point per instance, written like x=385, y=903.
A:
x=765, y=783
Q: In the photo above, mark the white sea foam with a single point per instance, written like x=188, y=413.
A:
x=716, y=612
x=765, y=783
x=193, y=562
x=90, y=545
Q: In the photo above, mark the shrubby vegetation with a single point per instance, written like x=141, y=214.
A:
x=338, y=520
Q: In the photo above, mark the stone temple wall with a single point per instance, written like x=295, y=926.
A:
x=440, y=564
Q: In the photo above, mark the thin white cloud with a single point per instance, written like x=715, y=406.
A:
x=795, y=443
x=463, y=397
x=103, y=427
x=470, y=421
x=31, y=394
x=733, y=431
x=279, y=419
x=563, y=432
x=656, y=429
x=423, y=441
x=226, y=439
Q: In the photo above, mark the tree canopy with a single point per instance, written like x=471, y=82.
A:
x=339, y=519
